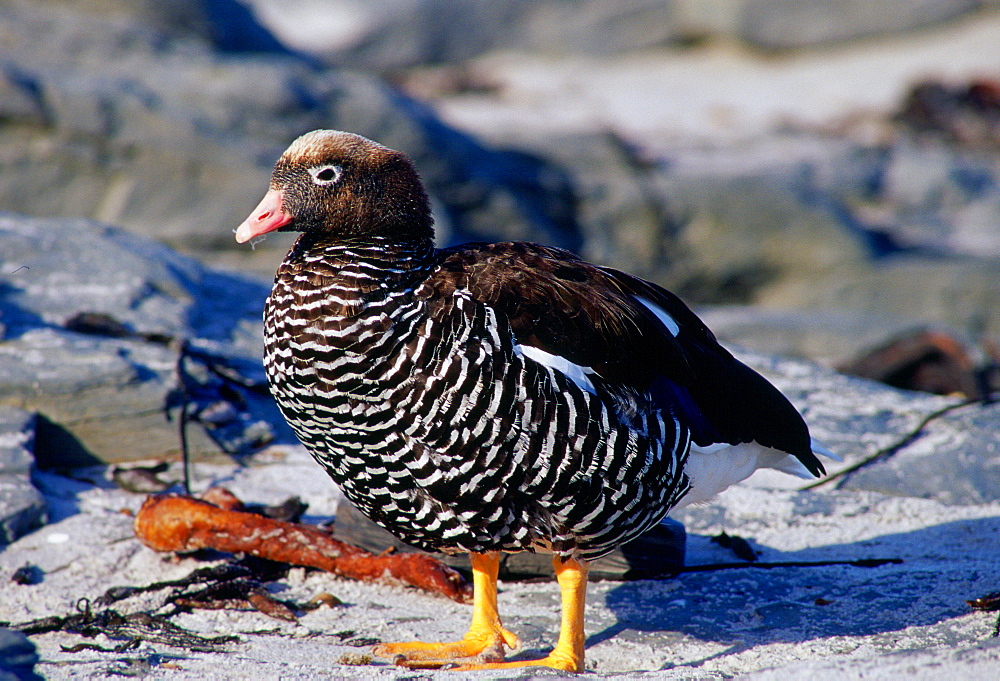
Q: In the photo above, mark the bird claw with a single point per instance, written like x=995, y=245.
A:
x=493, y=658
x=445, y=656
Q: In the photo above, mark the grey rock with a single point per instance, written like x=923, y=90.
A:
x=386, y=35
x=923, y=445
x=952, y=459
x=936, y=196
x=127, y=117
x=54, y=270
x=784, y=24
x=96, y=319
x=17, y=435
x=798, y=223
x=17, y=657
x=22, y=507
x=831, y=338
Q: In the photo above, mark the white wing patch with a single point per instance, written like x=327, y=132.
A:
x=672, y=326
x=574, y=372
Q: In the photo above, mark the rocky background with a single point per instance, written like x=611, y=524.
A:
x=820, y=178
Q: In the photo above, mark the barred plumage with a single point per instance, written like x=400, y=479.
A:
x=500, y=397
x=426, y=412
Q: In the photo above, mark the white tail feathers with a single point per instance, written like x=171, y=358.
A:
x=713, y=468
x=819, y=449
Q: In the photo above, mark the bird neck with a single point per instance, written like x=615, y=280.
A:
x=385, y=263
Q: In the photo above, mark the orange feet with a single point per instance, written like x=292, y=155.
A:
x=568, y=653
x=486, y=639
x=483, y=647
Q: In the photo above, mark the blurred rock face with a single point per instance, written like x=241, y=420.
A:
x=134, y=115
x=165, y=118
x=382, y=35
x=22, y=507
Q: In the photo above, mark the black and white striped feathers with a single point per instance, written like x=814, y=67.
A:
x=494, y=397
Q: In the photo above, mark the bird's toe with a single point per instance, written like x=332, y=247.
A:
x=469, y=651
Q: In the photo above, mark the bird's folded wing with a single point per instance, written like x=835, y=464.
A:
x=630, y=337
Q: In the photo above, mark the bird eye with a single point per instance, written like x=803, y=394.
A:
x=324, y=175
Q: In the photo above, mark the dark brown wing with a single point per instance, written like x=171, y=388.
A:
x=595, y=317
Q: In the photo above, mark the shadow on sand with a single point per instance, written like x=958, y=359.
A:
x=942, y=566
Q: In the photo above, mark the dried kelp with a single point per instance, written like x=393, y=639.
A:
x=988, y=603
x=174, y=522
x=132, y=628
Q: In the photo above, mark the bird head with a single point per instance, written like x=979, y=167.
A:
x=342, y=187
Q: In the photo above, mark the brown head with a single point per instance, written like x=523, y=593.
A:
x=344, y=187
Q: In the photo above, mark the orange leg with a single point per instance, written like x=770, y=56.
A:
x=486, y=637
x=568, y=653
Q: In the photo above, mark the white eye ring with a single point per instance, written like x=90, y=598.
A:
x=326, y=175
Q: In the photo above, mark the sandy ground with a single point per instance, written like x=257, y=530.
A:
x=836, y=621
